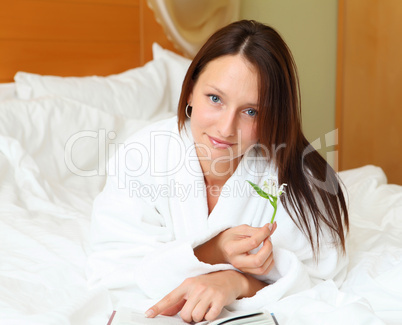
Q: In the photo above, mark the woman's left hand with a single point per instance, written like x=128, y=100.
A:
x=201, y=297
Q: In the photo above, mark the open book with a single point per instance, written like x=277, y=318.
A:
x=126, y=316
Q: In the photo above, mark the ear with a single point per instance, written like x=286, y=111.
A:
x=190, y=98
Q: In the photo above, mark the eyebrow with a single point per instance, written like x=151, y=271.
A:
x=217, y=89
x=224, y=94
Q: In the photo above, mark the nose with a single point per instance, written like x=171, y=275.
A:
x=227, y=125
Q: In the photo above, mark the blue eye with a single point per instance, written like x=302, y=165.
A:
x=251, y=112
x=214, y=98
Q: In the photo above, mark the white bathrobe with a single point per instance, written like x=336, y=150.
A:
x=153, y=211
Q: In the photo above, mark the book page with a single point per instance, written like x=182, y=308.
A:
x=126, y=316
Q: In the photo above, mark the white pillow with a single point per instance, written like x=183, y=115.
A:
x=140, y=93
x=64, y=140
x=7, y=91
x=176, y=67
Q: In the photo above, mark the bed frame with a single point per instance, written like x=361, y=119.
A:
x=76, y=37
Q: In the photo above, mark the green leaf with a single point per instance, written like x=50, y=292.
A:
x=259, y=191
x=272, y=200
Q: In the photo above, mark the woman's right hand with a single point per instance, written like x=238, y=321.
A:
x=234, y=246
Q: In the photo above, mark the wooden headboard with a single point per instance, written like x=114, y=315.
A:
x=76, y=37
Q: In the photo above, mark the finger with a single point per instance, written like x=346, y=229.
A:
x=247, y=230
x=274, y=226
x=267, y=266
x=175, y=309
x=240, y=250
x=259, y=258
x=169, y=301
x=213, y=312
x=262, y=270
x=248, y=244
x=187, y=311
x=200, y=310
x=240, y=244
x=244, y=230
x=255, y=263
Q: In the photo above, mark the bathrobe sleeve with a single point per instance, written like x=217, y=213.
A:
x=132, y=243
x=296, y=269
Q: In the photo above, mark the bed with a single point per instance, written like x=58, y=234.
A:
x=56, y=136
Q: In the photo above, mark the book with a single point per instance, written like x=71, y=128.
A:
x=127, y=316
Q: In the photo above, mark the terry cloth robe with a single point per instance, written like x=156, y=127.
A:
x=153, y=212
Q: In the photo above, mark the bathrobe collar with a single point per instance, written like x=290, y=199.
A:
x=190, y=215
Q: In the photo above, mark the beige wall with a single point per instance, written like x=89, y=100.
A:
x=309, y=28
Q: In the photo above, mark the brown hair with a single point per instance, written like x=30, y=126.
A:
x=314, y=197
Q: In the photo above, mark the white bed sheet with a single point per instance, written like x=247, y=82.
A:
x=45, y=211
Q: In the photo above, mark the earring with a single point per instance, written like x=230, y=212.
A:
x=187, y=107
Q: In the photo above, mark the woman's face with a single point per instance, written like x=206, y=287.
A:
x=224, y=114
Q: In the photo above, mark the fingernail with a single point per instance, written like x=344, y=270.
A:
x=270, y=227
x=149, y=313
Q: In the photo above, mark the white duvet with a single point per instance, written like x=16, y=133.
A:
x=46, y=198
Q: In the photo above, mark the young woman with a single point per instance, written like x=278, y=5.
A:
x=179, y=225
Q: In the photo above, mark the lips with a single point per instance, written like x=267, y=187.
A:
x=220, y=144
